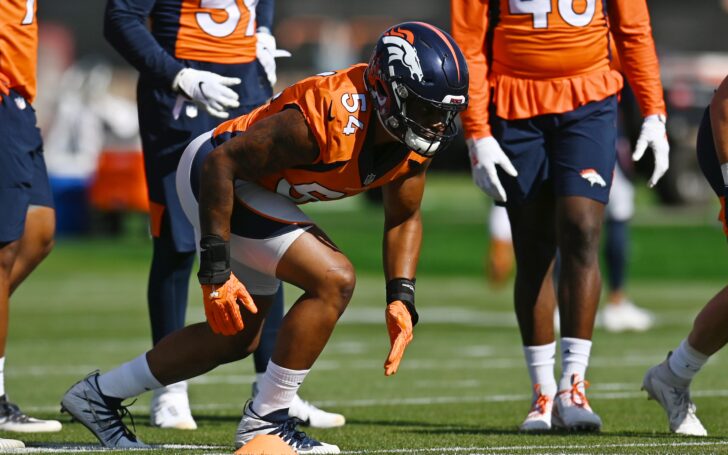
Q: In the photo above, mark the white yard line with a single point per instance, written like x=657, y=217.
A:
x=85, y=448
x=616, y=394
x=531, y=448
x=76, y=448
x=418, y=401
x=480, y=363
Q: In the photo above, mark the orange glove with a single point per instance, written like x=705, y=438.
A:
x=399, y=326
x=221, y=305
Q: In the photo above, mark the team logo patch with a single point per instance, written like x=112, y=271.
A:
x=593, y=177
x=400, y=45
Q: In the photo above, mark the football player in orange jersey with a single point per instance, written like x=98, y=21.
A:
x=199, y=62
x=26, y=202
x=327, y=137
x=541, y=131
x=669, y=382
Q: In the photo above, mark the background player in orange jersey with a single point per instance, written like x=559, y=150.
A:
x=669, y=382
x=26, y=203
x=541, y=131
x=199, y=63
x=327, y=137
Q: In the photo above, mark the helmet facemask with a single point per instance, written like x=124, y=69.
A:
x=425, y=126
x=429, y=125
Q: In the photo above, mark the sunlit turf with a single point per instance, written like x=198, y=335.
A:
x=462, y=384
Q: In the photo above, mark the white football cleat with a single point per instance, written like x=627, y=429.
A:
x=170, y=408
x=539, y=418
x=626, y=316
x=9, y=444
x=312, y=416
x=571, y=408
x=14, y=420
x=309, y=414
x=673, y=394
x=278, y=423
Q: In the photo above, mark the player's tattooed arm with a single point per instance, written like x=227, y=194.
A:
x=273, y=144
x=402, y=240
x=403, y=224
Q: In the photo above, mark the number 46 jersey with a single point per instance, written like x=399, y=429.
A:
x=339, y=113
x=552, y=56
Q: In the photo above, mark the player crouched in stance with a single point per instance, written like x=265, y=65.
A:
x=669, y=382
x=327, y=137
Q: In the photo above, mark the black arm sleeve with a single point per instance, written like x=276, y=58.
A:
x=125, y=29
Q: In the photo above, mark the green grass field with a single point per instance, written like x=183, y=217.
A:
x=462, y=388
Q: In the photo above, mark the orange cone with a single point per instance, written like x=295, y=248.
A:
x=266, y=444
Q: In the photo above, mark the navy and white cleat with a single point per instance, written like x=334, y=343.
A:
x=100, y=414
x=278, y=423
x=310, y=415
x=14, y=420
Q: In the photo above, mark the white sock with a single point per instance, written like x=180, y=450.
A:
x=259, y=377
x=177, y=387
x=685, y=361
x=277, y=388
x=129, y=380
x=574, y=360
x=256, y=385
x=2, y=376
x=498, y=224
x=540, y=361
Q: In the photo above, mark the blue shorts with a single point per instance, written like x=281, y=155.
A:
x=165, y=137
x=575, y=150
x=23, y=174
x=707, y=157
x=244, y=222
x=263, y=224
x=709, y=164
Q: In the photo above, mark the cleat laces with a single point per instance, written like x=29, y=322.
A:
x=577, y=396
x=110, y=417
x=293, y=437
x=541, y=403
x=13, y=413
x=681, y=402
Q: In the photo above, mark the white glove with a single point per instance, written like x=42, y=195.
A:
x=485, y=154
x=653, y=135
x=208, y=90
x=266, y=52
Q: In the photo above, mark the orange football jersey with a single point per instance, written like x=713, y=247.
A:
x=552, y=56
x=339, y=113
x=208, y=33
x=18, y=47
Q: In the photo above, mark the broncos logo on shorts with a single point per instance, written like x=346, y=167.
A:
x=593, y=177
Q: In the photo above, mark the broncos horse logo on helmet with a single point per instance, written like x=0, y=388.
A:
x=399, y=46
x=418, y=80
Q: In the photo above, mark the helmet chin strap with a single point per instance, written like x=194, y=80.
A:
x=416, y=143
x=420, y=144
